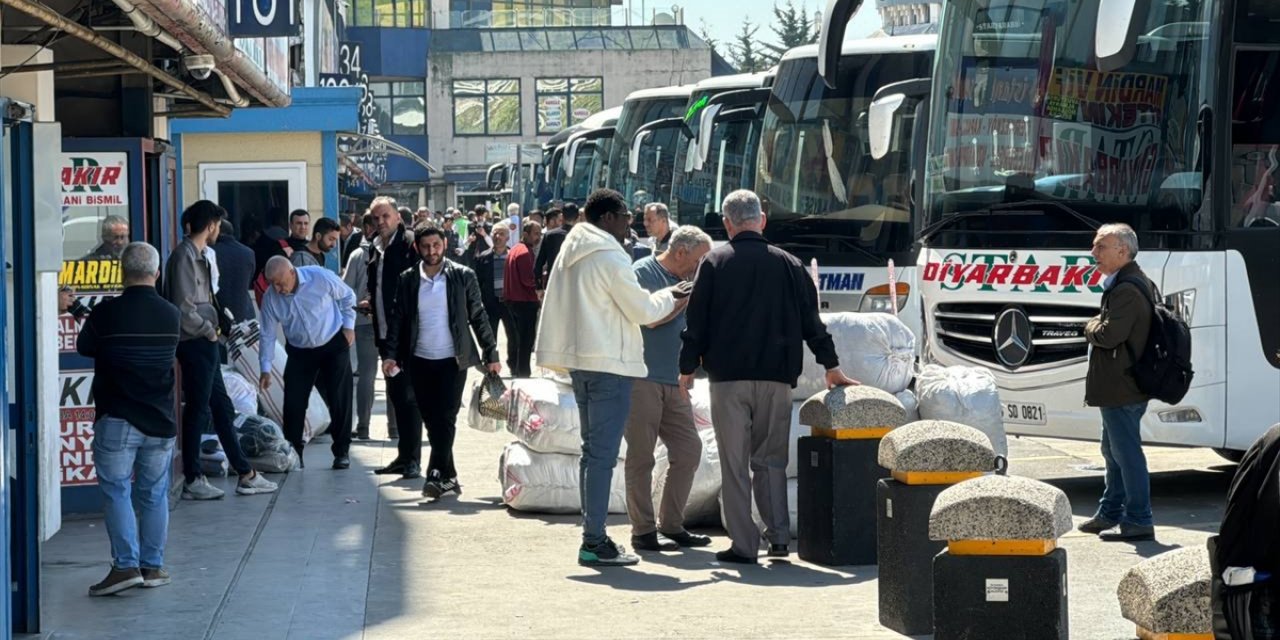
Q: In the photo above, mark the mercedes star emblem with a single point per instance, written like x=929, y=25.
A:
x=1012, y=337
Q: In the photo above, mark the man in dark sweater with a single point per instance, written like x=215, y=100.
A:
x=551, y=243
x=752, y=350
x=236, y=266
x=133, y=340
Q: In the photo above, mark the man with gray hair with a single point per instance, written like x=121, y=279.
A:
x=133, y=341
x=114, y=233
x=657, y=224
x=1117, y=338
x=659, y=410
x=752, y=352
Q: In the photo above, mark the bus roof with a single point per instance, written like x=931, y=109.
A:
x=602, y=118
x=865, y=46
x=738, y=81
x=678, y=91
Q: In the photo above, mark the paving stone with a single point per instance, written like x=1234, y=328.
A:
x=857, y=407
x=1000, y=508
x=1169, y=593
x=936, y=445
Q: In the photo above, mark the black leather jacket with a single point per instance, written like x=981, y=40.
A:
x=465, y=308
x=399, y=255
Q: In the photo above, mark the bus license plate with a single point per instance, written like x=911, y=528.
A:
x=1024, y=413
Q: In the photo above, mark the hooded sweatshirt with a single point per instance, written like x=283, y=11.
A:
x=594, y=307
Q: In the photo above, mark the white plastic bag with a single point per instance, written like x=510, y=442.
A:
x=481, y=422
x=797, y=431
x=243, y=350
x=548, y=482
x=703, y=506
x=967, y=395
x=908, y=399
x=545, y=416
x=244, y=394
x=874, y=348
x=700, y=399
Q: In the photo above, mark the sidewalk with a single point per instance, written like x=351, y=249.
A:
x=347, y=554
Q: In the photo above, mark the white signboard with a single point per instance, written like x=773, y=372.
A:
x=95, y=179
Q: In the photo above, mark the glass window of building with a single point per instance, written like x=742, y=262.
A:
x=389, y=13
x=486, y=107
x=563, y=102
x=401, y=107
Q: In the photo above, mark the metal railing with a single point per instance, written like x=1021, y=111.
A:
x=536, y=18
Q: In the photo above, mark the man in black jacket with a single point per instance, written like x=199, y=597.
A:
x=390, y=254
x=752, y=350
x=438, y=306
x=236, y=266
x=551, y=242
x=1247, y=541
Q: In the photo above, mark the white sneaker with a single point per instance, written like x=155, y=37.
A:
x=201, y=490
x=255, y=485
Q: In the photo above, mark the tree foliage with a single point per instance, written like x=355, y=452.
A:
x=746, y=51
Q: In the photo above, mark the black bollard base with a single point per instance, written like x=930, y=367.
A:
x=905, y=554
x=1000, y=597
x=836, y=500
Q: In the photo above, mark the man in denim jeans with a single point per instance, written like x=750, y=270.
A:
x=590, y=326
x=133, y=339
x=1117, y=338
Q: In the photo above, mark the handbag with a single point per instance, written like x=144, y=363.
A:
x=488, y=396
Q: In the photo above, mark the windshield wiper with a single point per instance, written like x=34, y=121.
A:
x=875, y=258
x=1008, y=208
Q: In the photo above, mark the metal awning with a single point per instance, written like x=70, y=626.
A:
x=353, y=144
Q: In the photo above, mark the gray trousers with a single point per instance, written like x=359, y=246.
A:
x=660, y=411
x=366, y=354
x=752, y=421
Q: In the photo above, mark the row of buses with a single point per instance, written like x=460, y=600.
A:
x=970, y=170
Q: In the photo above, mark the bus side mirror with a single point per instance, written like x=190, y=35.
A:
x=633, y=161
x=1117, y=30
x=880, y=123
x=705, y=129
x=831, y=38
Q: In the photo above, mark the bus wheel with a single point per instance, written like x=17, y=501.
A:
x=1232, y=455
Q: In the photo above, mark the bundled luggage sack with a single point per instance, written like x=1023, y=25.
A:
x=548, y=482
x=264, y=445
x=874, y=348
x=967, y=395
x=242, y=348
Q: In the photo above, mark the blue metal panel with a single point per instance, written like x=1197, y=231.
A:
x=6, y=517
x=394, y=52
x=329, y=167
x=405, y=170
x=312, y=109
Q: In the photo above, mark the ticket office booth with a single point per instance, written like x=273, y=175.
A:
x=114, y=190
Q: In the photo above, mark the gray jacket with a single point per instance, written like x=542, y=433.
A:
x=187, y=284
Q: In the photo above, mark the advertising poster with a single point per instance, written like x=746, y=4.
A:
x=93, y=281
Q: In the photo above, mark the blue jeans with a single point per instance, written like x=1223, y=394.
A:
x=604, y=400
x=120, y=450
x=1127, y=497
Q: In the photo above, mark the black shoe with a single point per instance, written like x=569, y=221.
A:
x=1096, y=525
x=653, y=542
x=729, y=556
x=606, y=554
x=362, y=435
x=435, y=487
x=1129, y=533
x=341, y=462
x=396, y=467
x=411, y=471
x=686, y=539
x=778, y=551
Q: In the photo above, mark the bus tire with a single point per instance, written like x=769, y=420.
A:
x=1231, y=455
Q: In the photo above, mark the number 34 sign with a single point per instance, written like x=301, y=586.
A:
x=262, y=18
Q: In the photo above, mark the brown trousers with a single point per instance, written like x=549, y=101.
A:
x=752, y=420
x=659, y=411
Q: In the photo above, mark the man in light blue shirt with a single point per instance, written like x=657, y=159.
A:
x=316, y=311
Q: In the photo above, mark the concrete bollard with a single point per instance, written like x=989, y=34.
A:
x=1168, y=596
x=1002, y=574
x=924, y=458
x=838, y=472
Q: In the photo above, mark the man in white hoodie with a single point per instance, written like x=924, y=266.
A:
x=590, y=326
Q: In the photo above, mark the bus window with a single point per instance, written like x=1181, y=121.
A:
x=1255, y=140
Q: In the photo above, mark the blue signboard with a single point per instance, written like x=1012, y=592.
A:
x=262, y=18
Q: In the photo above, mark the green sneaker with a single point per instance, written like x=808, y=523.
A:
x=606, y=554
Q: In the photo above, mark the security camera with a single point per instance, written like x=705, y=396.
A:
x=200, y=67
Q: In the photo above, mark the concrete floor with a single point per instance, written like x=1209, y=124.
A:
x=352, y=555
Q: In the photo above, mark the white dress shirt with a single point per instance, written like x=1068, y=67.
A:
x=435, y=341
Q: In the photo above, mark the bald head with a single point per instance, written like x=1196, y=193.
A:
x=281, y=274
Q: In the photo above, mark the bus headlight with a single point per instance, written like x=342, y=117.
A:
x=1183, y=303
x=878, y=300
x=1180, y=415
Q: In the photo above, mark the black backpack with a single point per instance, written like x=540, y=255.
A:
x=1164, y=370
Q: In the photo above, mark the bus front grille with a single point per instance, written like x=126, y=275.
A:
x=1056, y=331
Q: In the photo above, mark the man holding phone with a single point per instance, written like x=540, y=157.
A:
x=590, y=327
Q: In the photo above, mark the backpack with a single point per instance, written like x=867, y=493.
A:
x=1164, y=370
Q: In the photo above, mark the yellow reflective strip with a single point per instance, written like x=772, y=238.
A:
x=1001, y=547
x=1144, y=634
x=874, y=433
x=934, y=477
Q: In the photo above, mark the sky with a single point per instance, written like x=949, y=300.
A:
x=723, y=24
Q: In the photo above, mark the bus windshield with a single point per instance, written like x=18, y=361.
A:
x=588, y=165
x=1036, y=145
x=657, y=158
x=827, y=197
x=730, y=165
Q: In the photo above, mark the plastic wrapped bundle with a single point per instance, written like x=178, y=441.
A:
x=544, y=416
x=703, y=506
x=548, y=482
x=797, y=431
x=967, y=395
x=909, y=402
x=481, y=422
x=244, y=394
x=264, y=445
x=700, y=399
x=874, y=348
x=242, y=347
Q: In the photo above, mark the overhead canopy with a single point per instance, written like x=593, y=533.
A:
x=354, y=145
